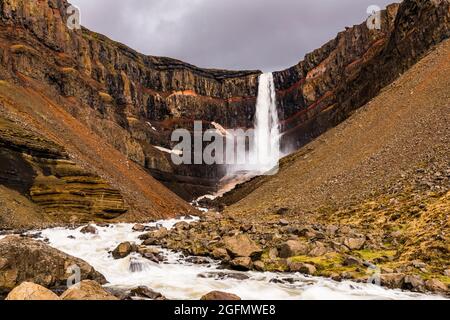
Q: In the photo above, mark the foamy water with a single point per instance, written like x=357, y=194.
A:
x=178, y=279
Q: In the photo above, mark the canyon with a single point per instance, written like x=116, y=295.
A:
x=85, y=137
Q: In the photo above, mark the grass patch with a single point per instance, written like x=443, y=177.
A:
x=370, y=255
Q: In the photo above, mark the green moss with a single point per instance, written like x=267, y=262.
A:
x=370, y=255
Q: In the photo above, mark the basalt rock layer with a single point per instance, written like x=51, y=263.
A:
x=133, y=102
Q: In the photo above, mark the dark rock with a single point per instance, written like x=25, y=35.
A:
x=146, y=293
x=242, y=263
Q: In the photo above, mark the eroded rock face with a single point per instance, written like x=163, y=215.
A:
x=347, y=72
x=28, y=260
x=41, y=171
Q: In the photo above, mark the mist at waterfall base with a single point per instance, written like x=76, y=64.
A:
x=263, y=154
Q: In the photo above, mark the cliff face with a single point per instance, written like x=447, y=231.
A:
x=333, y=81
x=133, y=102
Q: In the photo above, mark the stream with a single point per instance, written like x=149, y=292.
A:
x=176, y=278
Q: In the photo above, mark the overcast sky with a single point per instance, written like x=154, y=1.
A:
x=234, y=34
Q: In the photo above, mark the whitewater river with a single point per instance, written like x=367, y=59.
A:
x=179, y=279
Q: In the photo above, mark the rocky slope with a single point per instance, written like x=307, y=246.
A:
x=372, y=191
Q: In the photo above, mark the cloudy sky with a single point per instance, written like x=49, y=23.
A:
x=233, y=34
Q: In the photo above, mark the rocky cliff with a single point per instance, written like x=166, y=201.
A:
x=133, y=101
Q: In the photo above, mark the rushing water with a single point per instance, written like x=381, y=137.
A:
x=179, y=279
x=264, y=150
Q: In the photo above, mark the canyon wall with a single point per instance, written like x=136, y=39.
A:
x=134, y=101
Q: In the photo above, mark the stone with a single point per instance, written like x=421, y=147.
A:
x=220, y=254
x=318, y=249
x=87, y=290
x=304, y=268
x=31, y=291
x=392, y=280
x=123, y=250
x=224, y=275
x=146, y=293
x=50, y=267
x=198, y=260
x=220, y=296
x=242, y=263
x=447, y=273
x=350, y=261
x=89, y=229
x=139, y=227
x=293, y=248
x=273, y=253
x=242, y=246
x=413, y=283
x=259, y=266
x=284, y=222
x=282, y=211
x=435, y=285
x=354, y=243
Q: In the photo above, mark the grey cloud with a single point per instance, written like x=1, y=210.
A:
x=232, y=34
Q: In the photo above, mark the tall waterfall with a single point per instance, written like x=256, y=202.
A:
x=266, y=147
x=263, y=151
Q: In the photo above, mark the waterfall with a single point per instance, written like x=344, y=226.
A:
x=265, y=152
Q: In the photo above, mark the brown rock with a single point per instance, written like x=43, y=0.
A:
x=242, y=246
x=259, y=266
x=413, y=283
x=123, y=250
x=146, y=293
x=89, y=229
x=354, y=243
x=435, y=285
x=293, y=248
x=304, y=268
x=49, y=265
x=220, y=254
x=242, y=263
x=87, y=290
x=139, y=228
x=392, y=280
x=31, y=291
x=352, y=261
x=220, y=296
x=318, y=250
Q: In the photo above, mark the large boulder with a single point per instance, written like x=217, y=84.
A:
x=31, y=291
x=87, y=290
x=28, y=260
x=293, y=248
x=220, y=296
x=242, y=246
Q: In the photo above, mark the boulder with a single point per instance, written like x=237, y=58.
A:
x=25, y=259
x=318, y=249
x=304, y=268
x=139, y=227
x=87, y=290
x=354, y=243
x=435, y=285
x=413, y=283
x=31, y=291
x=123, y=250
x=220, y=254
x=350, y=261
x=392, y=280
x=259, y=266
x=89, y=229
x=242, y=263
x=146, y=293
x=242, y=246
x=220, y=296
x=293, y=248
